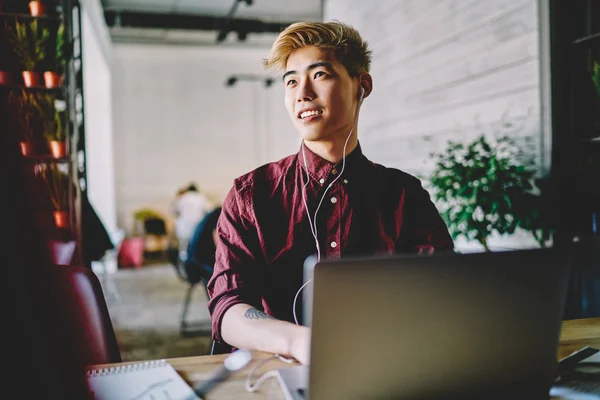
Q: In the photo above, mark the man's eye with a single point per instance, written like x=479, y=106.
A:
x=290, y=82
x=319, y=73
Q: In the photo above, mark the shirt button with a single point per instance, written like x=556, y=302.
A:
x=345, y=180
x=334, y=171
x=321, y=181
x=333, y=245
x=333, y=200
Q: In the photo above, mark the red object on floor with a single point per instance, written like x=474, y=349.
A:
x=131, y=253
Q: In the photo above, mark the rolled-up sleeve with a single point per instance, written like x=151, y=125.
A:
x=237, y=270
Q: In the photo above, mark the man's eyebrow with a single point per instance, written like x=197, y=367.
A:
x=311, y=66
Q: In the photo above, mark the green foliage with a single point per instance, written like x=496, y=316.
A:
x=5, y=51
x=37, y=114
x=29, y=41
x=60, y=49
x=483, y=189
x=596, y=77
x=52, y=118
x=26, y=112
x=58, y=182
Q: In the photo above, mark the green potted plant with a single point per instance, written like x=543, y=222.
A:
x=482, y=189
x=54, y=75
x=52, y=124
x=58, y=182
x=53, y=130
x=29, y=41
x=26, y=115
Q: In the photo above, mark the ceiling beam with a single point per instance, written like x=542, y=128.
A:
x=135, y=19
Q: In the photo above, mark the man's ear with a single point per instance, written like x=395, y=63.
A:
x=365, y=80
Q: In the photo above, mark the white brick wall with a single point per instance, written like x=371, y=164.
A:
x=447, y=69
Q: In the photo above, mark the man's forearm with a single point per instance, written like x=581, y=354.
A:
x=243, y=326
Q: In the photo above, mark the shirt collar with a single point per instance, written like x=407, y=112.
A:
x=320, y=169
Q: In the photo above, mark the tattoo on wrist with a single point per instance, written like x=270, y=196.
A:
x=253, y=313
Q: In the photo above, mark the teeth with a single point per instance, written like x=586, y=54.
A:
x=310, y=113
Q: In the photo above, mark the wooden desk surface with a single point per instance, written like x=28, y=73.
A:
x=575, y=334
x=578, y=333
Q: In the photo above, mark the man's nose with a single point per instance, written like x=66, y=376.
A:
x=305, y=92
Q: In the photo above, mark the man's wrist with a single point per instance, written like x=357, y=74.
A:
x=296, y=341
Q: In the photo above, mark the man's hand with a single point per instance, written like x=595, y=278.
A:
x=300, y=345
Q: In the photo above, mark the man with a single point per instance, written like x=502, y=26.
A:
x=327, y=199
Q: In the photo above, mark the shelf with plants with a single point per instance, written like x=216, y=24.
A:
x=41, y=87
x=38, y=122
x=38, y=54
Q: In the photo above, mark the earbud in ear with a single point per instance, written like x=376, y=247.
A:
x=362, y=94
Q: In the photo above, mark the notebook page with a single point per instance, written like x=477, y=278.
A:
x=156, y=380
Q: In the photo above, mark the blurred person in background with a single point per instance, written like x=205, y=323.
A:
x=189, y=208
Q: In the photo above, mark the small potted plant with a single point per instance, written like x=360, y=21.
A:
x=56, y=178
x=53, y=78
x=26, y=116
x=52, y=121
x=29, y=41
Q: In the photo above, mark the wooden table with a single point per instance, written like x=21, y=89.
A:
x=575, y=334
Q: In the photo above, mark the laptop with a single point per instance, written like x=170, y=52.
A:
x=479, y=325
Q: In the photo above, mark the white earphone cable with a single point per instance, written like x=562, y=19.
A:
x=253, y=387
x=313, y=224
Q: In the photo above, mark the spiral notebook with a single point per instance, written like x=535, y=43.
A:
x=147, y=380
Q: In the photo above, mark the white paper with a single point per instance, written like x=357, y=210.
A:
x=156, y=380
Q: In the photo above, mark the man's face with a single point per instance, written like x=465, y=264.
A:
x=320, y=95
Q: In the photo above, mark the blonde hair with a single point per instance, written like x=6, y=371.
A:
x=350, y=49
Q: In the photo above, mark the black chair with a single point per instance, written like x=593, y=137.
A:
x=197, y=268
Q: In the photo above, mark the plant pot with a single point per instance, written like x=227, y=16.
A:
x=5, y=78
x=25, y=148
x=61, y=219
x=58, y=149
x=31, y=79
x=37, y=8
x=52, y=80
